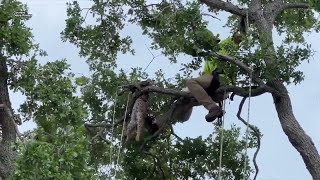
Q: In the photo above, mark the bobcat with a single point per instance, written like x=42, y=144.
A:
x=136, y=124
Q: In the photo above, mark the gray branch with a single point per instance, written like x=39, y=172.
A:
x=255, y=5
x=226, y=6
x=295, y=5
x=241, y=65
x=273, y=9
x=233, y=89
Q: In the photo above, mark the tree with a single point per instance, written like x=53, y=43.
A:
x=59, y=147
x=178, y=28
x=49, y=89
x=16, y=41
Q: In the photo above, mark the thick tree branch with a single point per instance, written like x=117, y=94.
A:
x=226, y=6
x=256, y=133
x=240, y=65
x=273, y=9
x=296, y=135
x=234, y=89
x=243, y=92
x=295, y=5
x=291, y=127
x=255, y=5
x=243, y=66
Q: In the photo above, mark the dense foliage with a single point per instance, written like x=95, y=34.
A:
x=63, y=148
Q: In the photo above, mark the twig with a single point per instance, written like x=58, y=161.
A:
x=153, y=58
x=257, y=134
x=175, y=135
x=153, y=169
x=207, y=14
x=156, y=161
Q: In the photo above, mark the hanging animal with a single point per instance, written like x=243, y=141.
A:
x=136, y=125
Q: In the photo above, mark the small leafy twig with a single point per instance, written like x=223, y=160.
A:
x=156, y=161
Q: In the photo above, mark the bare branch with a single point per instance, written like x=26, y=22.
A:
x=226, y=6
x=256, y=133
x=296, y=5
x=277, y=7
x=174, y=134
x=153, y=58
x=207, y=14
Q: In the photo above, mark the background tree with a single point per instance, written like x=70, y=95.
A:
x=16, y=41
x=178, y=27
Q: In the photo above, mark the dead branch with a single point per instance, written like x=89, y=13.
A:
x=174, y=134
x=207, y=14
x=256, y=133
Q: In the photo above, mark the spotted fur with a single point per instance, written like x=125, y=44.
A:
x=136, y=124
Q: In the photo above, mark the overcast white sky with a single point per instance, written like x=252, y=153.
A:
x=277, y=160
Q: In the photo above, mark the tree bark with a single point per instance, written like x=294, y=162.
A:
x=291, y=127
x=296, y=135
x=7, y=154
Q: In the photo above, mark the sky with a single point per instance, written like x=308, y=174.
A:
x=277, y=159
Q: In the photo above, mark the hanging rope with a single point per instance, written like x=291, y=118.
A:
x=122, y=132
x=221, y=139
x=247, y=128
x=248, y=115
x=113, y=118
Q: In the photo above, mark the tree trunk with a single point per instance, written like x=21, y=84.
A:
x=7, y=154
x=296, y=135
